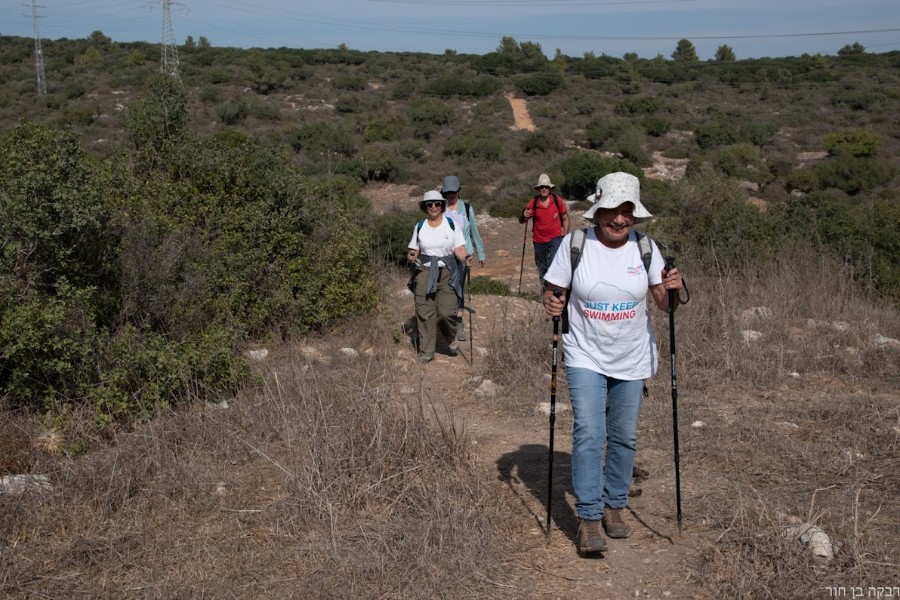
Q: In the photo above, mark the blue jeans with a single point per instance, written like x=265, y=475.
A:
x=544, y=253
x=606, y=415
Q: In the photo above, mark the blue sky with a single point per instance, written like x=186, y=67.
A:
x=753, y=28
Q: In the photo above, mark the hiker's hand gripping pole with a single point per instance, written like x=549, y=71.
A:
x=673, y=301
x=556, y=293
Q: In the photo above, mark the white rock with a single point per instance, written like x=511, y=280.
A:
x=795, y=374
x=881, y=341
x=349, y=352
x=488, y=389
x=841, y=326
x=749, y=335
x=543, y=408
x=817, y=540
x=698, y=424
x=18, y=484
x=257, y=355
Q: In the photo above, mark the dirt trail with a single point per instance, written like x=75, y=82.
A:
x=520, y=114
x=511, y=449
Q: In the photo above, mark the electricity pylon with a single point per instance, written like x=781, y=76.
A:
x=38, y=52
x=168, y=64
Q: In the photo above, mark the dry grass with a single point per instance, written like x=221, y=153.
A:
x=326, y=481
x=803, y=423
x=338, y=478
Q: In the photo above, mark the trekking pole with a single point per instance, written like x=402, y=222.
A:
x=471, y=341
x=557, y=292
x=670, y=264
x=522, y=264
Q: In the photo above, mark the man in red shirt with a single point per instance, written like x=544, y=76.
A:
x=551, y=223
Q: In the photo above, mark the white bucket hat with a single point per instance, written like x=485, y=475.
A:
x=543, y=180
x=616, y=189
x=431, y=196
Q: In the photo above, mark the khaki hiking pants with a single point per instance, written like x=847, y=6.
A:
x=435, y=311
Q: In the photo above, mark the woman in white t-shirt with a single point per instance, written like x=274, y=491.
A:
x=609, y=350
x=436, y=246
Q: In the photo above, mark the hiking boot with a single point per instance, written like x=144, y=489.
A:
x=460, y=329
x=614, y=524
x=590, y=537
x=453, y=348
x=425, y=358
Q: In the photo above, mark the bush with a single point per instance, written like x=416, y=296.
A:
x=599, y=131
x=852, y=175
x=539, y=84
x=477, y=146
x=541, y=142
x=640, y=105
x=428, y=117
x=581, y=171
x=852, y=142
x=655, y=126
x=391, y=234
x=321, y=140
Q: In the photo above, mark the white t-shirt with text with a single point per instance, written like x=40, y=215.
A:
x=609, y=316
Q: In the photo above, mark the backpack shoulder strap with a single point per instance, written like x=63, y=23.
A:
x=556, y=202
x=468, y=209
x=646, y=248
x=576, y=246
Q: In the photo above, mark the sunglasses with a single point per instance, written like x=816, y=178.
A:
x=543, y=187
x=434, y=203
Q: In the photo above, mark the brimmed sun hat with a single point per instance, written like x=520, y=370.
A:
x=451, y=184
x=544, y=180
x=431, y=196
x=616, y=189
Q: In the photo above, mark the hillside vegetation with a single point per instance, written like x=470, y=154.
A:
x=153, y=229
x=151, y=226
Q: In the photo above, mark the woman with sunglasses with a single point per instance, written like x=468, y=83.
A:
x=436, y=245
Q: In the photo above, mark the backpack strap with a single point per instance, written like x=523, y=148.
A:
x=646, y=248
x=576, y=247
x=422, y=222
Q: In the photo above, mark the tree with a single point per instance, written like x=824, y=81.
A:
x=852, y=49
x=685, y=51
x=724, y=53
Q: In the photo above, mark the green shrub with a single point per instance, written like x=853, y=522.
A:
x=428, y=117
x=371, y=164
x=580, y=172
x=601, y=130
x=853, y=142
x=508, y=199
x=391, y=234
x=639, y=105
x=716, y=133
x=323, y=139
x=742, y=161
x=853, y=174
x=485, y=285
x=803, y=179
x=542, y=142
x=232, y=113
x=655, y=126
x=538, y=84
x=384, y=129
x=479, y=146
x=350, y=82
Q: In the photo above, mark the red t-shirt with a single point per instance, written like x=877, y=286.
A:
x=547, y=219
